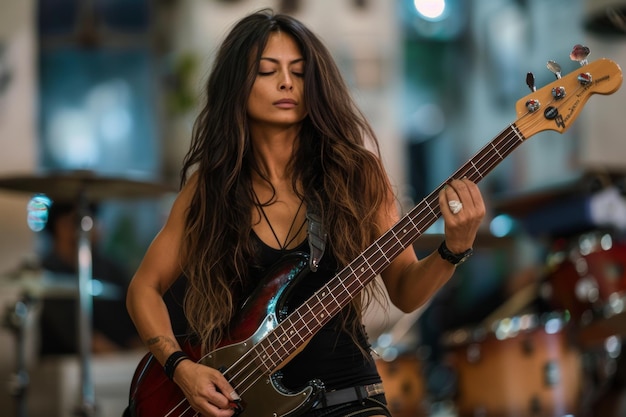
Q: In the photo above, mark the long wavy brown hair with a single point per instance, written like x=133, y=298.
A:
x=332, y=166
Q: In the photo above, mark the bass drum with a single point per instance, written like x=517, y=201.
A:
x=521, y=366
x=586, y=276
x=404, y=385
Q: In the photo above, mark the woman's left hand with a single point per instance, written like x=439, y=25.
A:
x=463, y=210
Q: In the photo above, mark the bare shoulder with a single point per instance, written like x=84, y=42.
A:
x=184, y=197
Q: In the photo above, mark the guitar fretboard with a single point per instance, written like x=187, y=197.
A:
x=318, y=310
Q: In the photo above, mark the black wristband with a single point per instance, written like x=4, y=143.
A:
x=453, y=258
x=173, y=361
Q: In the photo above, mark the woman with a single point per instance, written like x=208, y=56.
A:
x=279, y=152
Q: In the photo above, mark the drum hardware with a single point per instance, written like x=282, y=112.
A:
x=83, y=188
x=600, y=372
x=552, y=374
x=87, y=406
x=15, y=319
x=614, y=306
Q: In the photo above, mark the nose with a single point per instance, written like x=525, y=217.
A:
x=286, y=83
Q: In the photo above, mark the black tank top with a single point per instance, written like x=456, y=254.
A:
x=331, y=356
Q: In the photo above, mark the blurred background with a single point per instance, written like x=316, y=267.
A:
x=97, y=102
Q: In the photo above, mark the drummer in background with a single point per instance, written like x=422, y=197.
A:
x=112, y=329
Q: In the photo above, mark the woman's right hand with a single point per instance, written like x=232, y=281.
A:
x=206, y=389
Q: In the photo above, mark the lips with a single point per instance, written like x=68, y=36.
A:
x=285, y=103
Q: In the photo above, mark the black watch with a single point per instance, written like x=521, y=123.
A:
x=454, y=258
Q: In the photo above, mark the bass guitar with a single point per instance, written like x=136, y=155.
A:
x=264, y=336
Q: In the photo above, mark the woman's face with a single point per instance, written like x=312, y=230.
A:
x=277, y=96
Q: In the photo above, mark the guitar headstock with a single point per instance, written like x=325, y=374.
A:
x=558, y=104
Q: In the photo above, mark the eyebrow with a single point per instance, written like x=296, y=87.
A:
x=276, y=61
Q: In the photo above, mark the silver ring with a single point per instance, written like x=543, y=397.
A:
x=455, y=206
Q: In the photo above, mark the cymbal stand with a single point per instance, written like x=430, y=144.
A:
x=15, y=319
x=87, y=406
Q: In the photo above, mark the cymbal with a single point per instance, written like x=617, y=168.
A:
x=580, y=185
x=521, y=204
x=40, y=283
x=63, y=285
x=70, y=185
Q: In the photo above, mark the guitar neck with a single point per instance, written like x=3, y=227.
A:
x=318, y=310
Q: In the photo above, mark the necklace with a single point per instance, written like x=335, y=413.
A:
x=288, y=241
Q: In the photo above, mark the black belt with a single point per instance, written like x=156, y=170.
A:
x=349, y=395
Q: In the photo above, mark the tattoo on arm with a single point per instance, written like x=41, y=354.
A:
x=153, y=340
x=162, y=344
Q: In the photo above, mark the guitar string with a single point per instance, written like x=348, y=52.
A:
x=508, y=139
x=505, y=138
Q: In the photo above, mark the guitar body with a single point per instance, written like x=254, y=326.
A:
x=152, y=394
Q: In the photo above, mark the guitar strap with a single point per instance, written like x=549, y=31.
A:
x=317, y=237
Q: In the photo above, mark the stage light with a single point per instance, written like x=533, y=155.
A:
x=433, y=10
x=440, y=20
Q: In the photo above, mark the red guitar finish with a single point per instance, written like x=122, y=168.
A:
x=246, y=361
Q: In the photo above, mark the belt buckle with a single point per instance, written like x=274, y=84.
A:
x=374, y=389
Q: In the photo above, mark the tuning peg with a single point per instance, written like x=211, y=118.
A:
x=530, y=81
x=555, y=68
x=579, y=53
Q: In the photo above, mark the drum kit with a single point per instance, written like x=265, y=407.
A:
x=552, y=349
x=82, y=188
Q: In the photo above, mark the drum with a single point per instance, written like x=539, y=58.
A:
x=522, y=366
x=404, y=385
x=587, y=276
